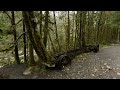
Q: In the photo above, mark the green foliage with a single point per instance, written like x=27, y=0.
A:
x=108, y=29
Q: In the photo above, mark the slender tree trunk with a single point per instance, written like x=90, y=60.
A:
x=40, y=23
x=24, y=42
x=46, y=28
x=88, y=28
x=98, y=27
x=15, y=37
x=72, y=37
x=80, y=35
x=75, y=32
x=68, y=33
x=56, y=31
x=83, y=27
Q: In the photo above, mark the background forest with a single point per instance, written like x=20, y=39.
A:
x=32, y=37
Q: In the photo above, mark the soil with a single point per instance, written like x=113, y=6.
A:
x=102, y=65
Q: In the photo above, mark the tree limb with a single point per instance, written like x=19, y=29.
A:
x=7, y=15
x=11, y=47
x=19, y=21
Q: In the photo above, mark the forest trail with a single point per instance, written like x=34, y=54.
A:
x=102, y=65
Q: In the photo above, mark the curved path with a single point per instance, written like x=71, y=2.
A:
x=102, y=65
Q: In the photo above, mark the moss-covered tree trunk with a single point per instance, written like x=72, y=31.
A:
x=15, y=37
x=31, y=54
x=40, y=25
x=46, y=28
x=56, y=31
x=35, y=37
x=24, y=43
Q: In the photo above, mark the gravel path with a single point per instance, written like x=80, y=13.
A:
x=102, y=65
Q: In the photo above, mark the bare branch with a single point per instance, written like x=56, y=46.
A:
x=11, y=47
x=19, y=21
x=7, y=15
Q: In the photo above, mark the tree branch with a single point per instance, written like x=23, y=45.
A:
x=19, y=21
x=7, y=15
x=11, y=47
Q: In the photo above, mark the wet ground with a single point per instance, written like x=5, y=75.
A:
x=102, y=65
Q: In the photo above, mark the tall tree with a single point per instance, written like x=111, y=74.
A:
x=31, y=54
x=40, y=25
x=35, y=37
x=68, y=33
x=24, y=42
x=56, y=31
x=83, y=27
x=98, y=26
x=15, y=37
x=46, y=28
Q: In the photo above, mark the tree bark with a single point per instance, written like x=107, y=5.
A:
x=15, y=37
x=56, y=31
x=46, y=28
x=24, y=42
x=40, y=23
x=34, y=37
x=31, y=54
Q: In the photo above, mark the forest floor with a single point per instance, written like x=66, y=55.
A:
x=102, y=65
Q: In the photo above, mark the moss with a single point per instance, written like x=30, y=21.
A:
x=38, y=69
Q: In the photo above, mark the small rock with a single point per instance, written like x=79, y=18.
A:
x=93, y=75
x=109, y=59
x=102, y=67
x=27, y=71
x=105, y=63
x=34, y=77
x=108, y=67
x=118, y=73
x=114, y=78
x=95, y=70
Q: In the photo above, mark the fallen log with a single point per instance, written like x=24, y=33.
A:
x=65, y=58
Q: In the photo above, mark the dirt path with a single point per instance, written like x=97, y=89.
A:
x=102, y=65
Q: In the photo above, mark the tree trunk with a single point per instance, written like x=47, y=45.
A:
x=53, y=48
x=31, y=54
x=34, y=37
x=98, y=27
x=83, y=27
x=15, y=37
x=46, y=28
x=40, y=23
x=56, y=32
x=68, y=34
x=24, y=42
x=80, y=33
